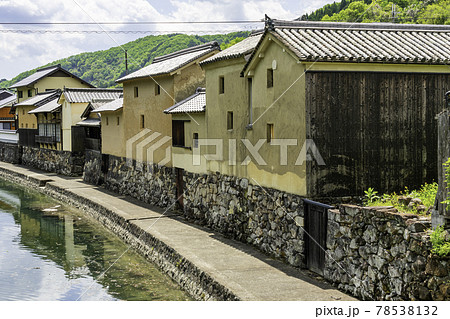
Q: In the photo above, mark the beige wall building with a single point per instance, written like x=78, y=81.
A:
x=112, y=128
x=188, y=128
x=152, y=89
x=318, y=92
x=74, y=102
x=43, y=80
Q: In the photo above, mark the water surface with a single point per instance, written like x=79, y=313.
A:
x=52, y=252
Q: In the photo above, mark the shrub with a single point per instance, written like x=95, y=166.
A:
x=441, y=246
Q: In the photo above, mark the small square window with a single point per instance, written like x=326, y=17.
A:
x=229, y=120
x=20, y=94
x=142, y=121
x=269, y=132
x=30, y=93
x=157, y=89
x=269, y=78
x=221, y=85
x=136, y=91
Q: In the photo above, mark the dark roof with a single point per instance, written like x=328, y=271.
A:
x=86, y=95
x=172, y=62
x=194, y=104
x=240, y=49
x=42, y=73
x=362, y=42
x=7, y=98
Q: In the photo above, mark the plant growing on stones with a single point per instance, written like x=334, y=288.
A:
x=370, y=196
x=441, y=244
x=427, y=193
x=415, y=202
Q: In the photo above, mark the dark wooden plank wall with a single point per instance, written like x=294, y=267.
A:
x=27, y=137
x=373, y=130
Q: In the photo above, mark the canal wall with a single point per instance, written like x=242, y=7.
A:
x=192, y=279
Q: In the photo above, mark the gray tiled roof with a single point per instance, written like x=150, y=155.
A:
x=48, y=107
x=171, y=62
x=8, y=101
x=363, y=42
x=193, y=104
x=240, y=49
x=40, y=98
x=41, y=73
x=80, y=95
x=111, y=106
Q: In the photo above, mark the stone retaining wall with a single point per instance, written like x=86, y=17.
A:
x=10, y=153
x=384, y=255
x=92, y=172
x=151, y=184
x=268, y=219
x=61, y=162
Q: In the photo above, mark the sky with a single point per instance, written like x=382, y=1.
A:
x=22, y=51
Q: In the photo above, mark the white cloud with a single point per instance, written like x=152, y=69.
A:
x=21, y=52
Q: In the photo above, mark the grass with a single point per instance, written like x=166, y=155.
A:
x=426, y=193
x=441, y=247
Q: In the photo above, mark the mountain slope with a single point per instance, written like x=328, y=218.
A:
x=406, y=11
x=102, y=68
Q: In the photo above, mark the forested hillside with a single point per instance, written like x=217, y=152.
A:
x=102, y=68
x=404, y=11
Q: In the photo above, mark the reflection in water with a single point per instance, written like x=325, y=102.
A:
x=51, y=252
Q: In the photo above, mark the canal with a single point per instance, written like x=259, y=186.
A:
x=52, y=252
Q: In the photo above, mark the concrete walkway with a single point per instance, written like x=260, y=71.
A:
x=245, y=271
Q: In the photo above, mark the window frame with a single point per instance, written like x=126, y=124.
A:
x=230, y=121
x=269, y=78
x=269, y=133
x=178, y=133
x=221, y=84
